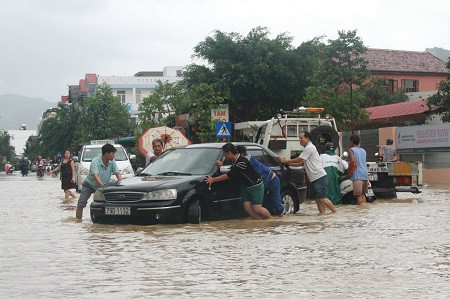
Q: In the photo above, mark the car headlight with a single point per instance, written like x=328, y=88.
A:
x=127, y=170
x=165, y=194
x=98, y=196
x=84, y=171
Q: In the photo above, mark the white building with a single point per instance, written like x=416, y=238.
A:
x=132, y=89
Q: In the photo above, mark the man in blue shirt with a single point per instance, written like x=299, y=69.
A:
x=99, y=175
x=360, y=175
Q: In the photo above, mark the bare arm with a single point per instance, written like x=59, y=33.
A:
x=293, y=162
x=98, y=181
x=211, y=180
x=72, y=165
x=119, y=176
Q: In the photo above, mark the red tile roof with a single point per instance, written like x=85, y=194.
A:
x=91, y=78
x=64, y=99
x=397, y=110
x=382, y=60
x=83, y=86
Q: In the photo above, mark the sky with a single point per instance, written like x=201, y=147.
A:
x=46, y=45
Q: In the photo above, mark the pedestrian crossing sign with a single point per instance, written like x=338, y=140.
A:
x=223, y=129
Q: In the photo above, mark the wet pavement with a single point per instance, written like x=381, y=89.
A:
x=393, y=248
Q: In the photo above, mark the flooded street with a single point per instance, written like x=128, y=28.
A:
x=394, y=248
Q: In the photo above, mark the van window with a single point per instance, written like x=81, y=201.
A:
x=91, y=153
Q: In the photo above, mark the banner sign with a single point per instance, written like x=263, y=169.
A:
x=220, y=114
x=425, y=136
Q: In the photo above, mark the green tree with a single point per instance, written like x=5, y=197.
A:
x=156, y=108
x=440, y=102
x=6, y=149
x=203, y=98
x=256, y=75
x=103, y=116
x=338, y=70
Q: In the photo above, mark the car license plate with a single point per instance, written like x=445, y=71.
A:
x=373, y=177
x=117, y=211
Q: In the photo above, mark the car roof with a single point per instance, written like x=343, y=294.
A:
x=220, y=144
x=99, y=145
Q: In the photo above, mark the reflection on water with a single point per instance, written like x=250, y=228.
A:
x=393, y=248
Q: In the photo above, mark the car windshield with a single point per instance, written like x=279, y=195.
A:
x=184, y=161
x=90, y=153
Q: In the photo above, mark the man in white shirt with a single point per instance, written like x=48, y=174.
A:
x=314, y=170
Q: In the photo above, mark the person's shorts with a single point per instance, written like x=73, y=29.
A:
x=86, y=192
x=360, y=187
x=319, y=188
x=253, y=194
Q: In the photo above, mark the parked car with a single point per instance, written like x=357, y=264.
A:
x=34, y=166
x=172, y=188
x=90, y=151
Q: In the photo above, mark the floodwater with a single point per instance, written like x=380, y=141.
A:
x=393, y=248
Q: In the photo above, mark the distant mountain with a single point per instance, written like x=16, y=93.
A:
x=16, y=110
x=442, y=54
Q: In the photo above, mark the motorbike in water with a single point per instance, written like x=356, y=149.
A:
x=40, y=171
x=346, y=188
x=24, y=170
x=54, y=173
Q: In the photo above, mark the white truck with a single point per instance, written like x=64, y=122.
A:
x=281, y=134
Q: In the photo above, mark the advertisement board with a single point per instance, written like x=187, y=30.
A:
x=220, y=114
x=431, y=137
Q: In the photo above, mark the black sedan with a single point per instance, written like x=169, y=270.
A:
x=172, y=189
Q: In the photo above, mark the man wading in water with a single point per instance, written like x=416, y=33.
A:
x=315, y=172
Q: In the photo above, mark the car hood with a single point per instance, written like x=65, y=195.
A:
x=149, y=183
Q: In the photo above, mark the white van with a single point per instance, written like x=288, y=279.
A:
x=90, y=151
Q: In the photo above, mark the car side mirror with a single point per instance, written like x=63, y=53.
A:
x=132, y=157
x=225, y=169
x=75, y=159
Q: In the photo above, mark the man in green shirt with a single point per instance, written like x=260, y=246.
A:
x=99, y=175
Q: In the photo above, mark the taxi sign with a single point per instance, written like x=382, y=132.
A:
x=101, y=141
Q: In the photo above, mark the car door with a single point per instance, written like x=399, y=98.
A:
x=227, y=199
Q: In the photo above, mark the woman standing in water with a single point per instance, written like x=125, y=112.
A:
x=67, y=167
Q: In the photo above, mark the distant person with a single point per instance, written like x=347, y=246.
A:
x=360, y=177
x=335, y=168
x=389, y=151
x=314, y=170
x=67, y=174
x=24, y=166
x=270, y=180
x=252, y=187
x=99, y=176
x=157, y=145
x=7, y=167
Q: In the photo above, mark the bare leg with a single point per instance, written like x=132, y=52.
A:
x=261, y=211
x=328, y=204
x=79, y=213
x=361, y=199
x=248, y=208
x=320, y=206
x=66, y=192
x=72, y=194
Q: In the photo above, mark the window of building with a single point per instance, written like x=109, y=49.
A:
x=390, y=85
x=138, y=96
x=410, y=85
x=121, y=95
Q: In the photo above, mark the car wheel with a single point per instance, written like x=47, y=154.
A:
x=289, y=202
x=194, y=213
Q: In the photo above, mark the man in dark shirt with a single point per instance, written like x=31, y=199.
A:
x=252, y=187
